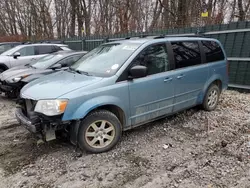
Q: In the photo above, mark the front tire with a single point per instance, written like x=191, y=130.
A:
x=99, y=132
x=212, y=98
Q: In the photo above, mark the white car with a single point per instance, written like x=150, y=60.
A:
x=26, y=54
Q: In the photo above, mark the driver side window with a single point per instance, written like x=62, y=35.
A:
x=27, y=51
x=155, y=58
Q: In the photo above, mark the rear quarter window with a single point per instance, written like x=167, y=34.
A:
x=212, y=51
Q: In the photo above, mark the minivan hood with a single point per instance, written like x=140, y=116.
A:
x=20, y=72
x=55, y=85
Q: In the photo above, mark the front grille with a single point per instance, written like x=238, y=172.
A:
x=30, y=105
x=27, y=105
x=30, y=113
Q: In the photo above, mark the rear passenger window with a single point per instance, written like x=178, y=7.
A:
x=213, y=51
x=45, y=49
x=186, y=54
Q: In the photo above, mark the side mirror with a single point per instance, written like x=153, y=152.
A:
x=56, y=66
x=138, y=71
x=16, y=54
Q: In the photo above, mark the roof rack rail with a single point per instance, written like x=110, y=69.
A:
x=138, y=36
x=159, y=37
x=181, y=35
x=199, y=34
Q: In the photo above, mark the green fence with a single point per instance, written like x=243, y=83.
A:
x=235, y=38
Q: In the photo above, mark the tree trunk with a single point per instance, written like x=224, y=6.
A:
x=181, y=13
x=73, y=4
x=241, y=11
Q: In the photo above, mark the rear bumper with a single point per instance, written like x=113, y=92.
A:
x=24, y=121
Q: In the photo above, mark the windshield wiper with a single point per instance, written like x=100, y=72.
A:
x=79, y=72
x=83, y=72
x=29, y=65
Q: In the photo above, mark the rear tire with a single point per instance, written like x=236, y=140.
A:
x=1, y=70
x=99, y=132
x=211, y=99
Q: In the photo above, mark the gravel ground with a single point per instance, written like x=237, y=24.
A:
x=192, y=149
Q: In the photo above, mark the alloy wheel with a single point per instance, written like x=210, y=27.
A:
x=212, y=98
x=100, y=134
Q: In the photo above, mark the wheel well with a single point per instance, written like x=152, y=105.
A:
x=4, y=67
x=115, y=110
x=218, y=83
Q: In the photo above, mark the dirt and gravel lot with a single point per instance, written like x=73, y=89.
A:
x=192, y=149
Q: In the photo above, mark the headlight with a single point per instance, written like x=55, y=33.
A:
x=51, y=107
x=17, y=79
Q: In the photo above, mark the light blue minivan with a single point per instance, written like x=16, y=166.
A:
x=124, y=84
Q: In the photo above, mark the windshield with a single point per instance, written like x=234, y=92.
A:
x=46, y=61
x=106, y=59
x=4, y=47
x=12, y=50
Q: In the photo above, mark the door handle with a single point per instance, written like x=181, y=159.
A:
x=33, y=59
x=168, y=79
x=180, y=76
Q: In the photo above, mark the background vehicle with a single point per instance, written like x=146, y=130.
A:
x=12, y=80
x=26, y=54
x=124, y=84
x=4, y=46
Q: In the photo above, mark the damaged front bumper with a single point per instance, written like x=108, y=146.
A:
x=42, y=126
x=23, y=120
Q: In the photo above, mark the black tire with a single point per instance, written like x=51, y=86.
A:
x=1, y=70
x=207, y=104
x=95, y=118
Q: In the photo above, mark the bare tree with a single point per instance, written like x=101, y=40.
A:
x=243, y=7
x=46, y=19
